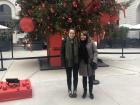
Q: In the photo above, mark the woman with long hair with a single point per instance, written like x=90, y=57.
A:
x=87, y=56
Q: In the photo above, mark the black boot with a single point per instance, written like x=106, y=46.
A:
x=91, y=95
x=74, y=94
x=85, y=87
x=84, y=94
x=70, y=93
x=91, y=87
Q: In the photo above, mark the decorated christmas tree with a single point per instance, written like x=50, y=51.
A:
x=50, y=16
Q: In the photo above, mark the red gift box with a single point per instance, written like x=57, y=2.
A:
x=15, y=91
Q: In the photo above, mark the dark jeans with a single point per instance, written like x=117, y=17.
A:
x=69, y=72
x=90, y=84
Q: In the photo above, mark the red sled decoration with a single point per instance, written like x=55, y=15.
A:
x=14, y=91
x=26, y=24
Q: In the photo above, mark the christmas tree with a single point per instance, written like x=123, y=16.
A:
x=51, y=16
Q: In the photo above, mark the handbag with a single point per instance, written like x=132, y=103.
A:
x=93, y=65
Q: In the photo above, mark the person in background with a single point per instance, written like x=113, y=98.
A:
x=87, y=55
x=69, y=57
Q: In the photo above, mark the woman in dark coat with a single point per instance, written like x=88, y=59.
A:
x=87, y=55
x=70, y=59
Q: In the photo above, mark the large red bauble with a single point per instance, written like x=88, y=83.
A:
x=26, y=24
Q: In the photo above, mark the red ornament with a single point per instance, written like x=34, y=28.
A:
x=26, y=24
x=43, y=5
x=64, y=4
x=89, y=21
x=30, y=11
x=52, y=10
x=63, y=18
x=74, y=3
x=79, y=20
x=65, y=32
x=69, y=20
x=48, y=18
x=105, y=18
x=114, y=18
x=93, y=6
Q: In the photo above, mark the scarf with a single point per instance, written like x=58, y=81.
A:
x=83, y=53
x=71, y=52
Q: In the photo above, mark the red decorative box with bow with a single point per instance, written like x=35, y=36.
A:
x=15, y=90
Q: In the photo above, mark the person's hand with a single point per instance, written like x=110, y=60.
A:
x=94, y=65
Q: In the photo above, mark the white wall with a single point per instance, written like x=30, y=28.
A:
x=14, y=13
x=14, y=9
x=131, y=17
x=5, y=15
